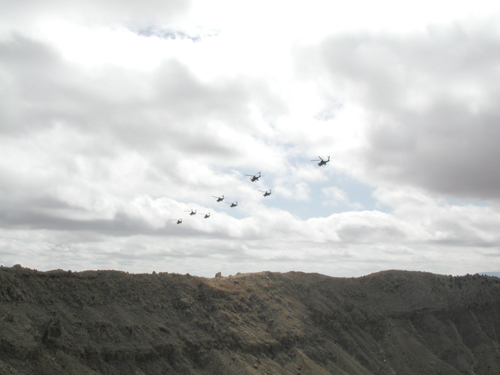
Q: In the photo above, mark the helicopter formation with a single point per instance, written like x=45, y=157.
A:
x=221, y=198
x=253, y=178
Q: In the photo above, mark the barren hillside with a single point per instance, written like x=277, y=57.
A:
x=109, y=322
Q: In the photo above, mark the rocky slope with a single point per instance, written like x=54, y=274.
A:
x=109, y=322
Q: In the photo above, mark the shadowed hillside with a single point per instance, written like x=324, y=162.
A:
x=109, y=322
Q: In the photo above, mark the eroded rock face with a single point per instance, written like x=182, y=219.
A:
x=109, y=322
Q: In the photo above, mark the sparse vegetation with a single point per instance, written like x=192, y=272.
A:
x=110, y=322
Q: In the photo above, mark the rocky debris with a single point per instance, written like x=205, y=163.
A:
x=111, y=322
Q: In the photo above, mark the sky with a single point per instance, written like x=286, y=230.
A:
x=118, y=118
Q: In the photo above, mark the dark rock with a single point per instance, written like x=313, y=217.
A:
x=110, y=322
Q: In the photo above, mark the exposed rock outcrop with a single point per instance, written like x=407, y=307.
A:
x=110, y=322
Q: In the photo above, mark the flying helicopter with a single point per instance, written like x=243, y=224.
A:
x=254, y=177
x=321, y=161
x=207, y=215
x=266, y=193
x=193, y=212
x=234, y=204
x=219, y=199
x=179, y=221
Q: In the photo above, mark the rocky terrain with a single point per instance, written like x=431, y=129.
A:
x=110, y=322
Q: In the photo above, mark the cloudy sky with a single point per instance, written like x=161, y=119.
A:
x=117, y=118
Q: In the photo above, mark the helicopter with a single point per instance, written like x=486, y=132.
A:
x=234, y=204
x=193, y=212
x=321, y=161
x=179, y=221
x=266, y=193
x=219, y=199
x=207, y=215
x=254, y=177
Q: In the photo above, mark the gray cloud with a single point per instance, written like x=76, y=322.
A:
x=431, y=102
x=100, y=157
x=94, y=12
x=80, y=136
x=167, y=106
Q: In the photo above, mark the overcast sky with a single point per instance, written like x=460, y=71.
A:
x=117, y=118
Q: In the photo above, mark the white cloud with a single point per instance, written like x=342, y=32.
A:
x=111, y=130
x=428, y=102
x=458, y=225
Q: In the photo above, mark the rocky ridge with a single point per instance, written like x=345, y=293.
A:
x=111, y=322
